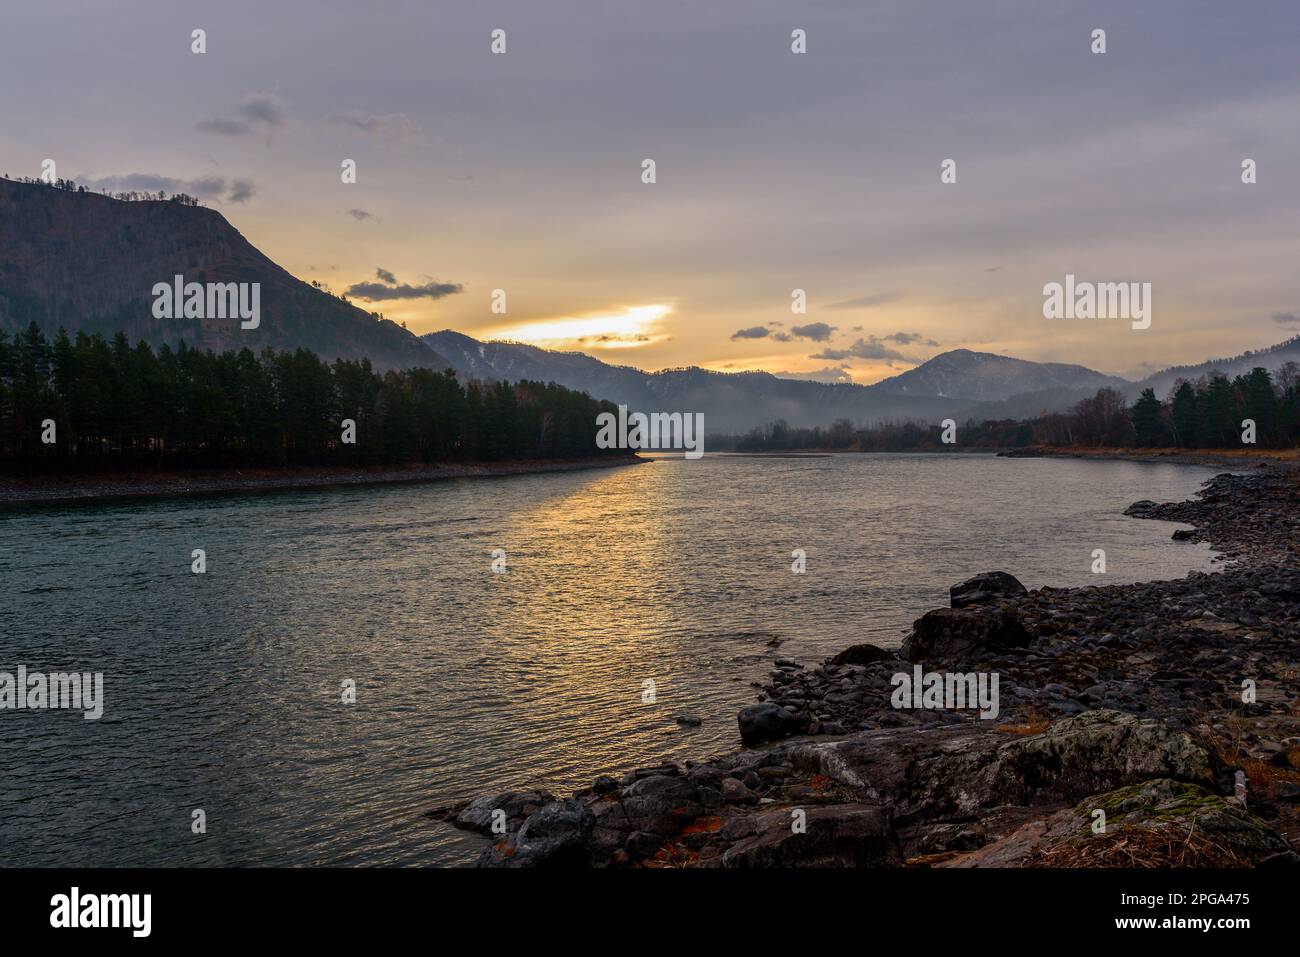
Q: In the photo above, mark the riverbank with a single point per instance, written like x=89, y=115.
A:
x=64, y=489
x=1243, y=458
x=1146, y=725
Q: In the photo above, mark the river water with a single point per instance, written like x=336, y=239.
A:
x=224, y=691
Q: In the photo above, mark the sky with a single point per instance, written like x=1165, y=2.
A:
x=775, y=171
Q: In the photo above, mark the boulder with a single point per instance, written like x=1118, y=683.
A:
x=924, y=777
x=863, y=654
x=662, y=805
x=955, y=635
x=555, y=836
x=767, y=722
x=517, y=805
x=984, y=588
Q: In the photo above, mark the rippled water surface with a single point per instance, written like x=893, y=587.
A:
x=222, y=691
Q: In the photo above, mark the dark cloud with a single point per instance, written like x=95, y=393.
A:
x=1287, y=319
x=390, y=288
x=753, y=332
x=866, y=302
x=868, y=348
x=265, y=108
x=258, y=111
x=360, y=214
x=816, y=331
x=241, y=190
x=909, y=338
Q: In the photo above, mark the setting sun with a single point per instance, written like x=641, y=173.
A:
x=634, y=326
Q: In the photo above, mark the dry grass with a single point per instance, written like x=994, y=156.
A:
x=1035, y=723
x=1261, y=776
x=1139, y=847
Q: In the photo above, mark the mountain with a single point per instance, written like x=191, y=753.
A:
x=987, y=377
x=950, y=384
x=730, y=401
x=87, y=262
x=1271, y=359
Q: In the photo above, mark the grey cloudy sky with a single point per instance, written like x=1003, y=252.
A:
x=775, y=171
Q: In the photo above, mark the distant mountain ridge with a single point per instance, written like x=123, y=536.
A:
x=946, y=385
x=988, y=377
x=87, y=262
x=1272, y=359
x=960, y=383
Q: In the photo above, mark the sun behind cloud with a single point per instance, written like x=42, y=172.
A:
x=633, y=326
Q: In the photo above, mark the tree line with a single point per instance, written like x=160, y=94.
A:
x=109, y=405
x=133, y=196
x=1208, y=412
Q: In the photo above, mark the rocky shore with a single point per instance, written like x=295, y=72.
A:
x=62, y=489
x=1147, y=725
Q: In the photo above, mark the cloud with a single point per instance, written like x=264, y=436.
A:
x=265, y=108
x=1286, y=319
x=828, y=374
x=257, y=111
x=866, y=302
x=360, y=214
x=241, y=190
x=204, y=187
x=390, y=288
x=908, y=338
x=753, y=332
x=816, y=331
x=394, y=127
x=868, y=348
x=224, y=126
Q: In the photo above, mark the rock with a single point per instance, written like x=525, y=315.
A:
x=767, y=722
x=642, y=844
x=604, y=784
x=1157, y=823
x=735, y=792
x=984, y=588
x=555, y=836
x=863, y=654
x=952, y=636
x=661, y=805
x=967, y=770
x=842, y=835
x=688, y=720
x=517, y=805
